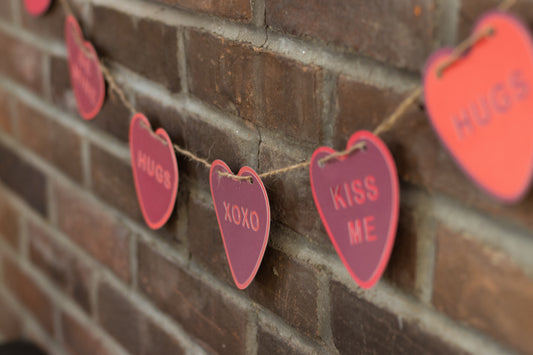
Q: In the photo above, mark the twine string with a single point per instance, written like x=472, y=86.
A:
x=385, y=126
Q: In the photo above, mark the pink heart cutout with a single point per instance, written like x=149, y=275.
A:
x=37, y=7
x=357, y=197
x=243, y=214
x=84, y=68
x=155, y=171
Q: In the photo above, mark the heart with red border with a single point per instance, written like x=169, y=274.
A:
x=85, y=74
x=482, y=109
x=155, y=171
x=37, y=7
x=357, y=197
x=243, y=215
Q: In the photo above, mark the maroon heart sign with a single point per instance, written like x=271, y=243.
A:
x=37, y=7
x=243, y=215
x=85, y=74
x=357, y=197
x=155, y=171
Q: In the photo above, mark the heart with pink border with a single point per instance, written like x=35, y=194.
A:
x=37, y=7
x=84, y=67
x=243, y=214
x=155, y=171
x=357, y=197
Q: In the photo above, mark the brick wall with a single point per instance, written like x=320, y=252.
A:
x=259, y=83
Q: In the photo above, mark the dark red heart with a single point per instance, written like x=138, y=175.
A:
x=85, y=74
x=481, y=106
x=357, y=197
x=243, y=215
x=37, y=7
x=155, y=171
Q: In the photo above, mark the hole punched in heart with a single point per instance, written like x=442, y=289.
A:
x=158, y=137
x=360, y=146
x=237, y=177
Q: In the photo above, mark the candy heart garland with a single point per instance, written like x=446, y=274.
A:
x=37, y=7
x=243, y=215
x=481, y=106
x=85, y=75
x=357, y=197
x=155, y=171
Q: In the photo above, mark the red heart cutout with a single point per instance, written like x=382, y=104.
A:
x=243, y=215
x=85, y=74
x=357, y=198
x=481, y=106
x=37, y=7
x=155, y=171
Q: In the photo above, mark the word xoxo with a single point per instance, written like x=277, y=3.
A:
x=358, y=192
x=498, y=99
x=150, y=167
x=239, y=216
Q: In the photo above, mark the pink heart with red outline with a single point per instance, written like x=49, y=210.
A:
x=357, y=197
x=84, y=68
x=37, y=7
x=155, y=171
x=243, y=215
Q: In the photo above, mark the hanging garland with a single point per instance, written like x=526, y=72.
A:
x=478, y=99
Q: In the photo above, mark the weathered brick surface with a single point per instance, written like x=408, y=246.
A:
x=149, y=48
x=78, y=338
x=268, y=344
x=9, y=224
x=112, y=181
x=481, y=286
x=10, y=323
x=101, y=234
x=21, y=62
x=130, y=327
x=29, y=293
x=237, y=10
x=288, y=288
x=358, y=325
x=206, y=315
x=264, y=88
x=24, y=179
x=385, y=30
x=54, y=142
x=50, y=25
x=66, y=271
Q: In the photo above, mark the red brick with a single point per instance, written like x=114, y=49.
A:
x=21, y=62
x=238, y=10
x=6, y=10
x=289, y=288
x=100, y=233
x=29, y=294
x=114, y=118
x=60, y=265
x=112, y=180
x=481, y=286
x=131, y=327
x=60, y=87
x=266, y=89
x=358, y=324
x=268, y=344
x=50, y=25
x=203, y=312
x=79, y=339
x=23, y=179
x=150, y=48
x=53, y=141
x=10, y=322
x=5, y=111
x=9, y=226
x=399, y=33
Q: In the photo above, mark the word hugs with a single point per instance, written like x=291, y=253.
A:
x=243, y=215
x=155, y=171
x=480, y=106
x=357, y=198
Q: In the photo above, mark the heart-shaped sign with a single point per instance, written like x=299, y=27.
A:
x=481, y=106
x=37, y=7
x=85, y=74
x=155, y=171
x=357, y=198
x=243, y=215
